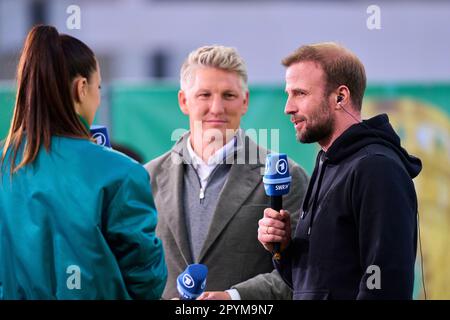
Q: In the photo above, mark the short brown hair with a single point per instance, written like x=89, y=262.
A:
x=341, y=67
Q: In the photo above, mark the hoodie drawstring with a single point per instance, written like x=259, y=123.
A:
x=316, y=195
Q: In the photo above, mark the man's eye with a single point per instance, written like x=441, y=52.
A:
x=229, y=95
x=299, y=93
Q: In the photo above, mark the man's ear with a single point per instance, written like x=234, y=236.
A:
x=182, y=102
x=342, y=96
x=245, y=104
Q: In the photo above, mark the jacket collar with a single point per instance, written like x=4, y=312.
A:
x=84, y=122
x=247, y=163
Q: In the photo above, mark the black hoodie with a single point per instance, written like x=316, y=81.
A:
x=356, y=238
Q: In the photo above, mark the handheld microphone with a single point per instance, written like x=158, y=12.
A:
x=192, y=282
x=100, y=135
x=277, y=182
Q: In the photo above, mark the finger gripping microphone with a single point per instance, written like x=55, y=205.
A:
x=192, y=282
x=277, y=182
x=100, y=135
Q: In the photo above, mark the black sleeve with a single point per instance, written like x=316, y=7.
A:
x=284, y=266
x=385, y=206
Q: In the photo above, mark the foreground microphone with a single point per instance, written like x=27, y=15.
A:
x=277, y=182
x=192, y=282
x=100, y=135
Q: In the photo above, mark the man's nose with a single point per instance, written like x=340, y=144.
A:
x=217, y=105
x=290, y=107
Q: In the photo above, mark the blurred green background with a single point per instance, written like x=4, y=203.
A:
x=146, y=118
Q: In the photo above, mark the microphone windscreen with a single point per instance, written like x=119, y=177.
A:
x=276, y=178
x=192, y=282
x=100, y=135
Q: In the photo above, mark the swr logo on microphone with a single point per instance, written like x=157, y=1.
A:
x=188, y=281
x=281, y=187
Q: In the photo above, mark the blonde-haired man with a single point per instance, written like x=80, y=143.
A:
x=208, y=188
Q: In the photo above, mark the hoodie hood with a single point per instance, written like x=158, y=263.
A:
x=376, y=130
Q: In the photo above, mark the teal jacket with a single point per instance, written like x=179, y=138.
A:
x=79, y=223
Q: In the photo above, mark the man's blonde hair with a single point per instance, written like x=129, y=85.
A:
x=215, y=56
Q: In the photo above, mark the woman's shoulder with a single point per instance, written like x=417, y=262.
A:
x=94, y=155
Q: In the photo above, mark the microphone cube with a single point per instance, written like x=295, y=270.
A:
x=100, y=134
x=276, y=178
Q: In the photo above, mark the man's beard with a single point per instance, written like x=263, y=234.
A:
x=319, y=125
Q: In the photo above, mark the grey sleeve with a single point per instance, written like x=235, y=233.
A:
x=270, y=286
x=266, y=286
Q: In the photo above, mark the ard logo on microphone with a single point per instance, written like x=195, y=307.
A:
x=282, y=166
x=100, y=135
x=188, y=281
x=100, y=138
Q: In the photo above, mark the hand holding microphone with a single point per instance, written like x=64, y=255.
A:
x=275, y=229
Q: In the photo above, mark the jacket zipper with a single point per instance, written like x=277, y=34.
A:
x=203, y=190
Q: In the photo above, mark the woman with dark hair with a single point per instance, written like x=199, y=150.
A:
x=77, y=220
